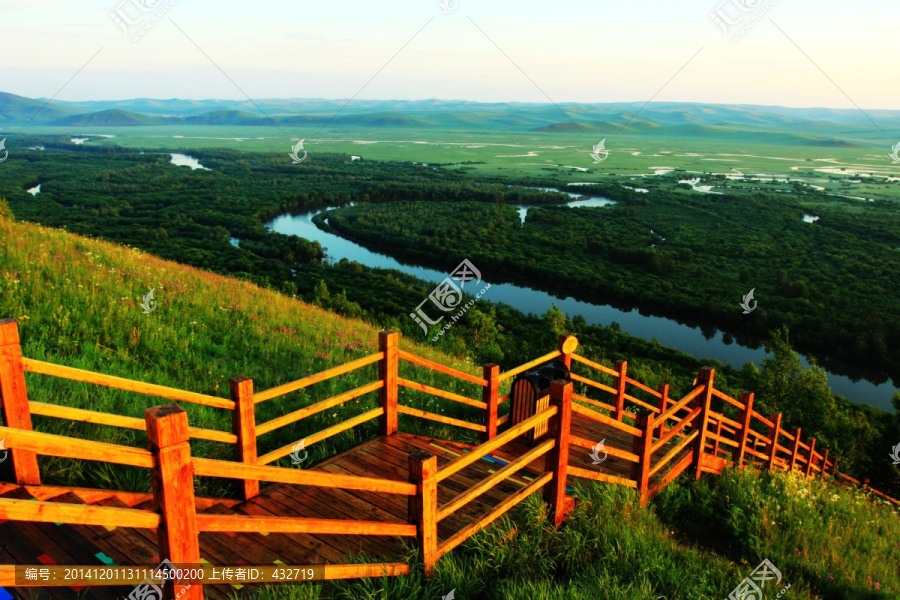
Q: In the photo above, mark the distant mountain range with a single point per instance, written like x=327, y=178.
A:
x=815, y=126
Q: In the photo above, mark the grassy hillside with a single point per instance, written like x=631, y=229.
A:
x=77, y=301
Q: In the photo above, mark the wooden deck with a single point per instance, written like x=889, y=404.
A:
x=385, y=457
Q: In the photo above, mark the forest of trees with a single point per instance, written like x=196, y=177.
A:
x=688, y=257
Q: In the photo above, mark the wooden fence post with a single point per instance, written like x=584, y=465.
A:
x=745, y=418
x=706, y=377
x=14, y=401
x=557, y=460
x=568, y=344
x=812, y=456
x=640, y=471
x=423, y=505
x=795, y=451
x=173, y=490
x=773, y=434
x=716, y=447
x=388, y=372
x=621, y=379
x=824, y=470
x=490, y=395
x=662, y=404
x=243, y=425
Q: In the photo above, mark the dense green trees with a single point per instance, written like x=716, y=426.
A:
x=688, y=257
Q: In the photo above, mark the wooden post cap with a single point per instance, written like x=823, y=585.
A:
x=167, y=425
x=9, y=332
x=568, y=344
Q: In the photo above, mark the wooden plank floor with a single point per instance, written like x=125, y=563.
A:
x=383, y=457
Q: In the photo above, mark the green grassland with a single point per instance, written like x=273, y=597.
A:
x=859, y=169
x=77, y=301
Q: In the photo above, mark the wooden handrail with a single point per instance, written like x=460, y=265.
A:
x=434, y=366
x=470, y=494
x=421, y=387
x=231, y=470
x=299, y=384
x=723, y=440
x=674, y=452
x=463, y=461
x=589, y=445
x=255, y=523
x=640, y=402
x=592, y=383
x=120, y=383
x=649, y=390
x=321, y=435
x=522, y=368
x=723, y=396
x=423, y=414
x=672, y=432
x=601, y=418
x=495, y=514
x=680, y=404
x=38, y=511
x=731, y=424
x=599, y=476
x=49, y=444
x=81, y=415
x=598, y=404
x=594, y=365
x=763, y=420
x=318, y=407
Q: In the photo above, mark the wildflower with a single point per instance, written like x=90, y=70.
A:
x=877, y=586
x=830, y=578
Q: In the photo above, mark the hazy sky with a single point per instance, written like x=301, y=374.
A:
x=573, y=50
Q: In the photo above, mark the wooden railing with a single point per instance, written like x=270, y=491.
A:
x=426, y=513
x=667, y=435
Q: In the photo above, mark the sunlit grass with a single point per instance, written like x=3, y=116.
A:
x=77, y=302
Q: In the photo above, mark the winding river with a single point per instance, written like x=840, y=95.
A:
x=667, y=331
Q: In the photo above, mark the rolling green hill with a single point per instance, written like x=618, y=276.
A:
x=660, y=118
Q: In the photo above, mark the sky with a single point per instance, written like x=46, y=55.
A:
x=827, y=53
